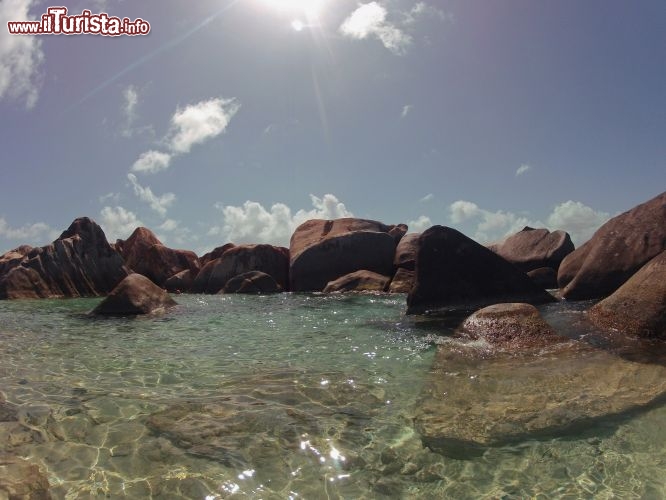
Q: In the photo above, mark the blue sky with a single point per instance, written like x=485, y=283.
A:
x=237, y=120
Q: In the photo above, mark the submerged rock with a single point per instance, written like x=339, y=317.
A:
x=80, y=263
x=22, y=480
x=513, y=326
x=359, y=281
x=473, y=402
x=638, y=307
x=324, y=250
x=616, y=251
x=454, y=273
x=135, y=295
x=252, y=282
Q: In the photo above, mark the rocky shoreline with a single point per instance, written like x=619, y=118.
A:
x=489, y=292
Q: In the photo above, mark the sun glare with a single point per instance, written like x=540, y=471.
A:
x=310, y=9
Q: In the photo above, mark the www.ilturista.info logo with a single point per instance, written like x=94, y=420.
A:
x=56, y=22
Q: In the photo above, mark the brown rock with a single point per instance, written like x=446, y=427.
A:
x=13, y=258
x=21, y=480
x=252, y=282
x=80, y=263
x=135, y=295
x=544, y=277
x=454, y=274
x=359, y=281
x=145, y=254
x=398, y=232
x=402, y=282
x=215, y=254
x=616, y=251
x=531, y=249
x=513, y=326
x=405, y=252
x=271, y=260
x=180, y=282
x=322, y=251
x=638, y=307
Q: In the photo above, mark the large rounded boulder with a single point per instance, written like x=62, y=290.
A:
x=456, y=274
x=241, y=259
x=616, y=251
x=532, y=249
x=145, y=254
x=359, y=281
x=252, y=282
x=135, y=295
x=638, y=307
x=324, y=250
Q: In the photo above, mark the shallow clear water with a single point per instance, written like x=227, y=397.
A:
x=299, y=396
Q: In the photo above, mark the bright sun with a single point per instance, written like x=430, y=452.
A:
x=305, y=11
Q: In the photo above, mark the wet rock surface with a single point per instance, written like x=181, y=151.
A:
x=253, y=282
x=473, y=401
x=638, y=307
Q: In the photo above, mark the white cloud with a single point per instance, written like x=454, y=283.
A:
x=369, y=20
x=523, y=169
x=169, y=225
x=406, y=110
x=253, y=223
x=579, y=220
x=427, y=198
x=20, y=56
x=114, y=197
x=200, y=122
x=420, y=224
x=151, y=162
x=424, y=9
x=118, y=223
x=29, y=233
x=159, y=204
x=130, y=102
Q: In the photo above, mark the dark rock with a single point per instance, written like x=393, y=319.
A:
x=322, y=251
x=252, y=282
x=616, y=251
x=136, y=294
x=472, y=402
x=359, y=281
x=531, y=249
x=512, y=326
x=638, y=307
x=402, y=282
x=21, y=480
x=145, y=254
x=398, y=232
x=180, y=282
x=454, y=273
x=405, y=252
x=215, y=254
x=241, y=259
x=544, y=277
x=80, y=263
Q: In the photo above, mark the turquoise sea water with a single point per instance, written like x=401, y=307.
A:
x=285, y=396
